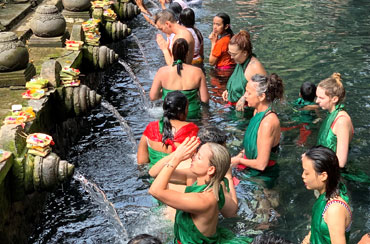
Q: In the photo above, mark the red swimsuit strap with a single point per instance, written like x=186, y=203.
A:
x=335, y=121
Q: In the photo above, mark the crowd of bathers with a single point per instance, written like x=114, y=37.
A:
x=191, y=168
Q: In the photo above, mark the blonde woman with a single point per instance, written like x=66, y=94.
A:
x=336, y=131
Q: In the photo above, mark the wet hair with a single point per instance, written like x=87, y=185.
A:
x=174, y=107
x=144, y=239
x=308, y=91
x=221, y=160
x=325, y=160
x=176, y=9
x=212, y=134
x=179, y=50
x=272, y=86
x=243, y=41
x=269, y=238
x=187, y=19
x=165, y=15
x=226, y=21
x=333, y=87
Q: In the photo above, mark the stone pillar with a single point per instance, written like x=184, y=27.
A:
x=15, y=69
x=48, y=27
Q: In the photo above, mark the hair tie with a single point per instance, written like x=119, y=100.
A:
x=179, y=61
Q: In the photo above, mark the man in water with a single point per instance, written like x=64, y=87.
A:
x=165, y=21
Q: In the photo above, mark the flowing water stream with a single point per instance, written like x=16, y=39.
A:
x=301, y=41
x=125, y=127
x=99, y=198
x=141, y=48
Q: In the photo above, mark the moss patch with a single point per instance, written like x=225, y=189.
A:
x=8, y=98
x=39, y=55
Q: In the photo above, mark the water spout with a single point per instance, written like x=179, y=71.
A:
x=122, y=122
x=140, y=47
x=145, y=101
x=99, y=198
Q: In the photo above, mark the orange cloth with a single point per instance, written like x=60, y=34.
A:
x=220, y=52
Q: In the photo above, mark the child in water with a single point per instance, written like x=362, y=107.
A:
x=306, y=111
x=305, y=104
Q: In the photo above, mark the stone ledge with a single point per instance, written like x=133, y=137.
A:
x=5, y=167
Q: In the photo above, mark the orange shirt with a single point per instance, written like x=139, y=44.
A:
x=220, y=52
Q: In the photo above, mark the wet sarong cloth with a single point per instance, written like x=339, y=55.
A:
x=319, y=229
x=187, y=233
x=154, y=131
x=271, y=172
x=303, y=116
x=193, y=99
x=326, y=136
x=237, y=82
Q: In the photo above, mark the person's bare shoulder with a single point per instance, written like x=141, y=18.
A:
x=256, y=67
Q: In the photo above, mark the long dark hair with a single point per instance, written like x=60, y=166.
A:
x=226, y=20
x=325, y=160
x=187, y=19
x=179, y=50
x=174, y=107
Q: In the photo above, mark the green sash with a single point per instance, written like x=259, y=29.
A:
x=250, y=137
x=237, y=82
x=326, y=136
x=193, y=99
x=155, y=156
x=269, y=175
x=303, y=116
x=319, y=229
x=187, y=233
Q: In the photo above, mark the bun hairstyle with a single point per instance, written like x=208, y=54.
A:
x=272, y=86
x=325, y=160
x=174, y=107
x=226, y=21
x=179, y=50
x=333, y=87
x=243, y=40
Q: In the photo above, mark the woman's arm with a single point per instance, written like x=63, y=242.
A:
x=195, y=203
x=203, y=90
x=179, y=176
x=335, y=217
x=265, y=140
x=213, y=38
x=156, y=89
x=230, y=208
x=142, y=151
x=342, y=129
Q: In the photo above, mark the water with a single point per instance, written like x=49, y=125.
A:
x=98, y=196
x=299, y=40
x=122, y=122
x=156, y=6
x=145, y=101
x=141, y=48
